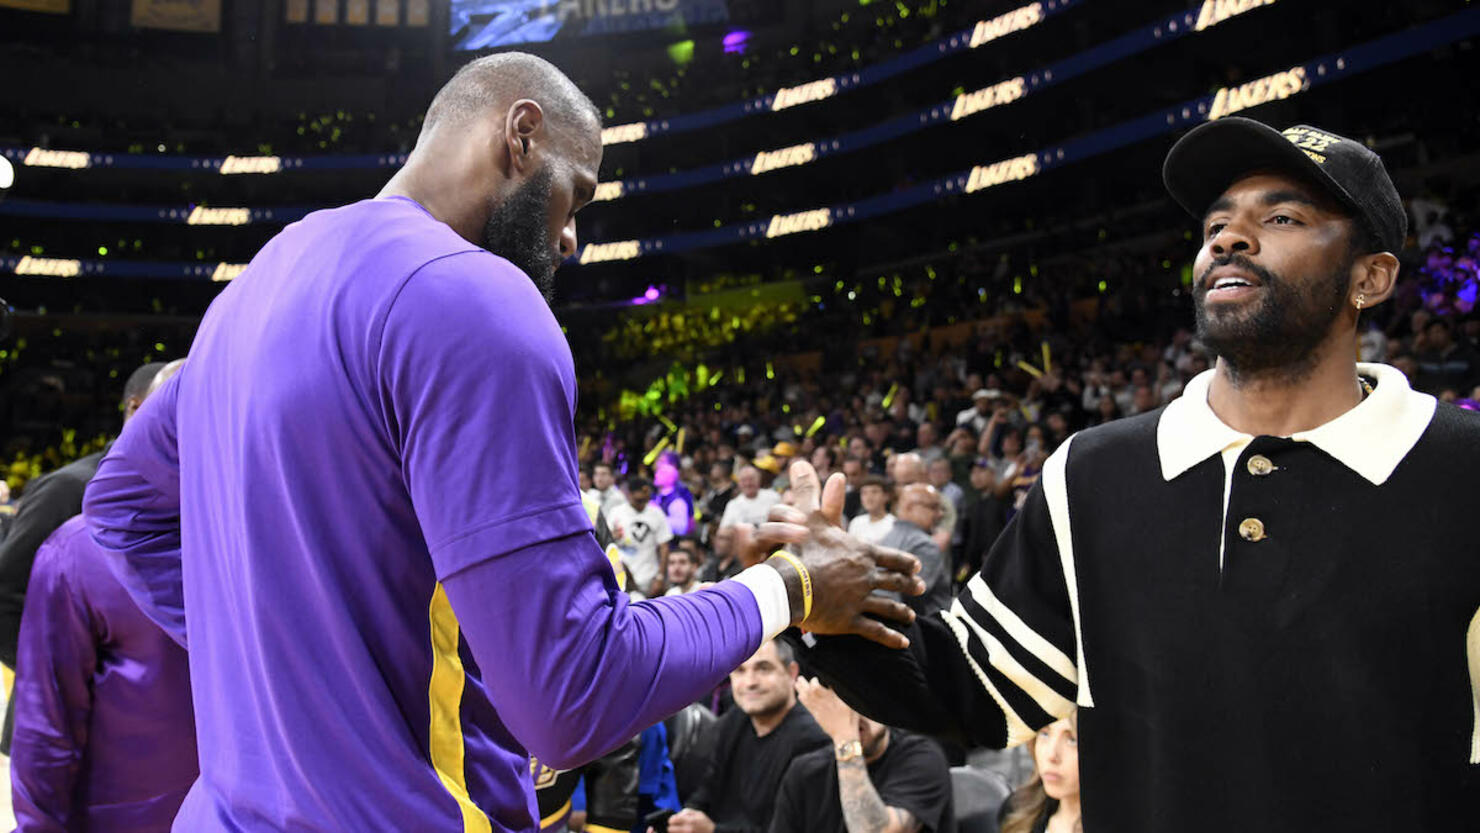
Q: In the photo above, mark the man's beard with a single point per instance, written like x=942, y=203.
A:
x=1280, y=335
x=518, y=230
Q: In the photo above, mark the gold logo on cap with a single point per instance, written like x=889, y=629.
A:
x=1312, y=141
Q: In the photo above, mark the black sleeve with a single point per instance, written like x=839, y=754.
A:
x=46, y=505
x=611, y=787
x=920, y=784
x=990, y=670
x=905, y=689
x=790, y=817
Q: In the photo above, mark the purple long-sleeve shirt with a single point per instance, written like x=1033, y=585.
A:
x=104, y=734
x=364, y=484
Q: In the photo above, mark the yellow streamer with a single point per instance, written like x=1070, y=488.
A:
x=657, y=449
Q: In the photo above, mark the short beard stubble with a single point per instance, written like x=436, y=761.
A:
x=1279, y=337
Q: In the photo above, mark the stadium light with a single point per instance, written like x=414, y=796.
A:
x=7, y=173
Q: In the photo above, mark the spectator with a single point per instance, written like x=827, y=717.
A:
x=874, y=779
x=928, y=447
x=962, y=451
x=683, y=568
x=825, y=461
x=721, y=488
x=878, y=433
x=940, y=478
x=641, y=531
x=1025, y=470
x=909, y=469
x=1446, y=363
x=1105, y=411
x=920, y=508
x=1049, y=803
x=982, y=521
x=723, y=562
x=754, y=744
x=676, y=501
x=604, y=488
x=1004, y=457
x=779, y=462
x=875, y=521
x=980, y=412
x=854, y=470
x=753, y=503
x=1143, y=400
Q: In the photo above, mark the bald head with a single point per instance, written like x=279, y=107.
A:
x=494, y=82
x=909, y=468
x=920, y=504
x=506, y=157
x=164, y=375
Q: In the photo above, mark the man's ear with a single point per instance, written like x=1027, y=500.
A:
x=1373, y=277
x=524, y=133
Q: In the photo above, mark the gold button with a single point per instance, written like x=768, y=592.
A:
x=1259, y=465
x=1251, y=529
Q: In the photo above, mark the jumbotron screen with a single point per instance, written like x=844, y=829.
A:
x=485, y=24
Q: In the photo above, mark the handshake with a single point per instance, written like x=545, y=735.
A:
x=831, y=577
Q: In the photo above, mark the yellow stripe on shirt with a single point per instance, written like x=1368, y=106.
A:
x=549, y=821
x=445, y=697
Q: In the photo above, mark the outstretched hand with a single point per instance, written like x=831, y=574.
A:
x=845, y=571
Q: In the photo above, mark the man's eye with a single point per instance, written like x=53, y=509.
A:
x=1214, y=228
x=1284, y=219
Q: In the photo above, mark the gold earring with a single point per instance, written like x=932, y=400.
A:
x=1361, y=300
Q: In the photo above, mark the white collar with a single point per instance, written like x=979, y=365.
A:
x=1370, y=439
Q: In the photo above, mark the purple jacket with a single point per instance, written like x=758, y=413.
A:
x=104, y=731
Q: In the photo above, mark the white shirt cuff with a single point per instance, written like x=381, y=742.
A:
x=770, y=597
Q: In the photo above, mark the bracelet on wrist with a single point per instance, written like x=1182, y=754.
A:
x=806, y=578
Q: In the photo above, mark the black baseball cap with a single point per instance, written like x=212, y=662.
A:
x=1202, y=164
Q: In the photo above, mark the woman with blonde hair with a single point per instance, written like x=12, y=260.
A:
x=1049, y=802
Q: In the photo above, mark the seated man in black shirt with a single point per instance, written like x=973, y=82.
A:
x=754, y=744
x=723, y=562
x=874, y=779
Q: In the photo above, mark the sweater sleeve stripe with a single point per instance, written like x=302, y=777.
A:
x=1055, y=484
x=1018, y=731
x=1047, y=653
x=1017, y=654
x=1000, y=659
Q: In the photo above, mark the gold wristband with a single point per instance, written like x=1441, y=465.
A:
x=806, y=582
